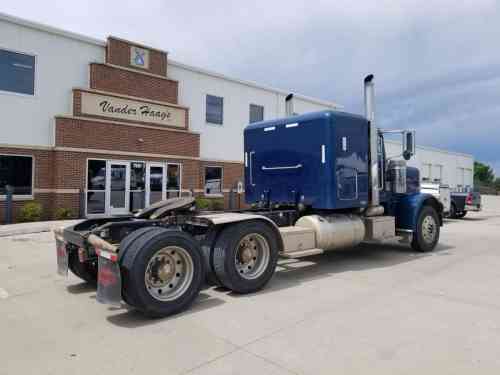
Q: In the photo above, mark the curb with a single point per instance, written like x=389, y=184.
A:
x=31, y=228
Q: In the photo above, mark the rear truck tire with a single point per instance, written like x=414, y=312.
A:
x=245, y=256
x=86, y=271
x=461, y=215
x=162, y=272
x=125, y=245
x=453, y=211
x=426, y=236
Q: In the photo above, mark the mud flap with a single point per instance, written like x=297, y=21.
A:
x=109, y=283
x=62, y=258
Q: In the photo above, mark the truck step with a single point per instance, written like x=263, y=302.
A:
x=301, y=253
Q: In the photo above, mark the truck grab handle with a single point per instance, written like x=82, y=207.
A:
x=264, y=168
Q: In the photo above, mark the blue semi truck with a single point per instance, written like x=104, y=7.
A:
x=317, y=182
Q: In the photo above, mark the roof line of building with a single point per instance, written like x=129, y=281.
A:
x=429, y=148
x=252, y=84
x=51, y=29
x=102, y=43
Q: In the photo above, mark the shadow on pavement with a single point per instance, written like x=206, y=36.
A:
x=465, y=219
x=131, y=318
x=482, y=218
x=292, y=272
x=81, y=288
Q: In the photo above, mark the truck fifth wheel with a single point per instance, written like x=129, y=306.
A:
x=316, y=182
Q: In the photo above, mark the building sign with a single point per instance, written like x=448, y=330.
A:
x=133, y=110
x=139, y=57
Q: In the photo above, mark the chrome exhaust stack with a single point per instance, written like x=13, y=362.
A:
x=369, y=92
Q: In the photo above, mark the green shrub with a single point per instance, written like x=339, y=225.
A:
x=31, y=211
x=202, y=203
x=218, y=204
x=63, y=213
x=209, y=204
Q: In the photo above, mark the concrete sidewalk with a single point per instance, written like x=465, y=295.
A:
x=35, y=227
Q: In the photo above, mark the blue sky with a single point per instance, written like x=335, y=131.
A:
x=437, y=63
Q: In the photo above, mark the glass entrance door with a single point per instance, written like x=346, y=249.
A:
x=155, y=183
x=119, y=187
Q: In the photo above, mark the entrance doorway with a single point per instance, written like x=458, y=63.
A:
x=118, y=187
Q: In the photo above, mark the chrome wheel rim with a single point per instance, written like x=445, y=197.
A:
x=169, y=273
x=429, y=229
x=252, y=256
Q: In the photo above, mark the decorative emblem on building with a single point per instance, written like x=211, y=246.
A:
x=139, y=57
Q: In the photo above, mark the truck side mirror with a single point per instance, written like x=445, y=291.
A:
x=408, y=144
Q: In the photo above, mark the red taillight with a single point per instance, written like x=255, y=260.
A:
x=468, y=200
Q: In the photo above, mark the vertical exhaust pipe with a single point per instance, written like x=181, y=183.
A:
x=369, y=92
x=289, y=111
x=370, y=98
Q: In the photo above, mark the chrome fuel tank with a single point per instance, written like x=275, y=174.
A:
x=336, y=231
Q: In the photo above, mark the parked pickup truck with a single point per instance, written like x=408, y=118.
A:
x=441, y=192
x=461, y=202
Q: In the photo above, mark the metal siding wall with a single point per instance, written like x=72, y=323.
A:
x=61, y=64
x=226, y=142
x=450, y=162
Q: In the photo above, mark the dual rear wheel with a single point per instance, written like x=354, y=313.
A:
x=163, y=270
x=244, y=256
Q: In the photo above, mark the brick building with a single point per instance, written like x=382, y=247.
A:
x=108, y=127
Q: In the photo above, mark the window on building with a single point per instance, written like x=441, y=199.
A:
x=96, y=187
x=17, y=172
x=213, y=180
x=18, y=72
x=173, y=180
x=215, y=109
x=256, y=113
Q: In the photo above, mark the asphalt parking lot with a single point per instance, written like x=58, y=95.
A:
x=378, y=309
